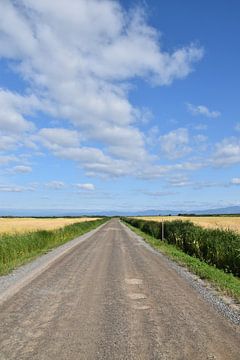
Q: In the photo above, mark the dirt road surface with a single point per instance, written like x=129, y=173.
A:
x=112, y=298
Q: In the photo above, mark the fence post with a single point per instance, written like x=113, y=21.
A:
x=162, y=230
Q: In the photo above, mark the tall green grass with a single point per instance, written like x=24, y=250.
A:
x=227, y=283
x=16, y=249
x=220, y=248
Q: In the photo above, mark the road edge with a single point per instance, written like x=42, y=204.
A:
x=25, y=274
x=204, y=289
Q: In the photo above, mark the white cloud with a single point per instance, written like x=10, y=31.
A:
x=15, y=188
x=96, y=162
x=235, y=181
x=199, y=185
x=152, y=136
x=21, y=169
x=200, y=138
x=202, y=110
x=55, y=185
x=57, y=138
x=7, y=141
x=227, y=152
x=15, y=127
x=183, y=181
x=155, y=171
x=86, y=187
x=125, y=143
x=13, y=107
x=179, y=181
x=159, y=193
x=175, y=144
x=201, y=127
x=78, y=58
x=200, y=142
x=6, y=159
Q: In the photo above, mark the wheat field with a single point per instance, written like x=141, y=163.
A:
x=213, y=222
x=21, y=225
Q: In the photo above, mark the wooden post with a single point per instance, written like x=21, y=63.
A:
x=162, y=230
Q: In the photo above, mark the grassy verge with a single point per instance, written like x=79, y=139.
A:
x=17, y=249
x=216, y=247
x=227, y=283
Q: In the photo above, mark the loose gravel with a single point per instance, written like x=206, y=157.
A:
x=21, y=276
x=223, y=304
x=112, y=298
x=11, y=283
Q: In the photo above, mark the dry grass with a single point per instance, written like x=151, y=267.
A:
x=21, y=225
x=212, y=222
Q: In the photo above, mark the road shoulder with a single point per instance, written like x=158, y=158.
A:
x=224, y=305
x=11, y=283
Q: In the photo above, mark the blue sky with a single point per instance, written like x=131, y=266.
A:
x=119, y=105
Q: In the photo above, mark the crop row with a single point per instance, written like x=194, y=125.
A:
x=217, y=247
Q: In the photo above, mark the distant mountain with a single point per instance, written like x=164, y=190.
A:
x=44, y=213
x=152, y=212
x=219, y=211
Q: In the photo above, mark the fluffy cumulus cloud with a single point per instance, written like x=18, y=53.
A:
x=227, y=152
x=175, y=144
x=78, y=58
x=6, y=159
x=55, y=185
x=203, y=110
x=58, y=138
x=86, y=187
x=21, y=169
x=7, y=141
x=235, y=181
x=13, y=108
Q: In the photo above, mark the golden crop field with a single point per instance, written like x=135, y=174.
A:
x=222, y=222
x=20, y=225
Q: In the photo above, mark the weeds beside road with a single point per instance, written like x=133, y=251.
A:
x=220, y=248
x=19, y=248
x=227, y=282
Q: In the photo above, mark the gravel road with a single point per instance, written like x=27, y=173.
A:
x=112, y=298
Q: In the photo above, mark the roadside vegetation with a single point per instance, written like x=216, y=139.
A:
x=16, y=249
x=223, y=222
x=213, y=255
